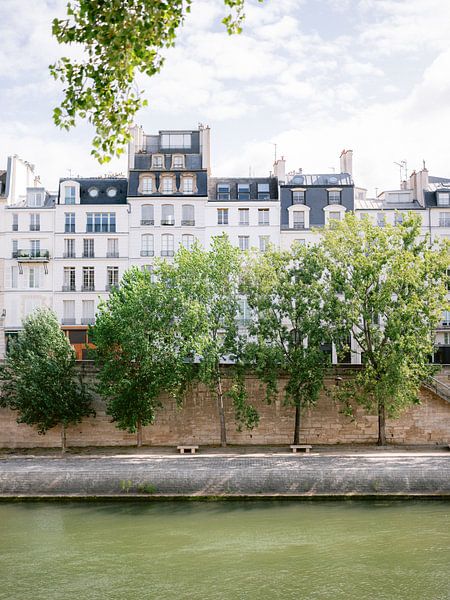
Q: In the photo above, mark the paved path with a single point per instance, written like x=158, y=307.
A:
x=421, y=474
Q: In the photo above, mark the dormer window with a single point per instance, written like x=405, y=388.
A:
x=93, y=192
x=178, y=161
x=69, y=194
x=298, y=197
x=157, y=161
x=35, y=198
x=223, y=191
x=167, y=184
x=334, y=196
x=443, y=198
x=263, y=191
x=243, y=191
x=146, y=184
x=188, y=185
x=111, y=192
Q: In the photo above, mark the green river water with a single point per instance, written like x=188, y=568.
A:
x=225, y=550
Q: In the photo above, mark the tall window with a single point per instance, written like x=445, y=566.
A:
x=69, y=279
x=15, y=222
x=69, y=248
x=167, y=185
x=446, y=317
x=188, y=185
x=167, y=214
x=35, y=222
x=35, y=198
x=33, y=273
x=244, y=215
x=69, y=222
x=147, y=185
x=35, y=248
x=101, y=222
x=69, y=312
x=398, y=218
x=147, y=247
x=244, y=311
x=223, y=191
x=334, y=216
x=88, y=248
x=187, y=241
x=88, y=279
x=263, y=191
x=112, y=277
x=69, y=194
x=444, y=219
x=167, y=245
x=244, y=242
x=334, y=197
x=264, y=241
x=188, y=215
x=14, y=277
x=298, y=197
x=15, y=248
x=88, y=312
x=222, y=216
x=263, y=216
x=299, y=219
x=381, y=220
x=112, y=248
x=243, y=191
x=147, y=214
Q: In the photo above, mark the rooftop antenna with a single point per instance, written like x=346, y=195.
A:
x=402, y=165
x=70, y=172
x=275, y=151
x=333, y=169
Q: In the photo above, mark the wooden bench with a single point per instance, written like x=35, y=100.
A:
x=187, y=449
x=296, y=447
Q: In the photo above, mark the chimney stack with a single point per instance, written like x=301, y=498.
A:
x=279, y=169
x=346, y=160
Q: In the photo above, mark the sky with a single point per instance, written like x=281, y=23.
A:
x=311, y=76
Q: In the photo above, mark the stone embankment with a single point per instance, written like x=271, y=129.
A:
x=222, y=475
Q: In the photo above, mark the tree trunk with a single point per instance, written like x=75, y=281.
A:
x=63, y=439
x=381, y=424
x=223, y=430
x=139, y=434
x=297, y=425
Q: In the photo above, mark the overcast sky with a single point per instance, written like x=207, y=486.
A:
x=312, y=76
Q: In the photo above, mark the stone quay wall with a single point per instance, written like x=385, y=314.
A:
x=197, y=423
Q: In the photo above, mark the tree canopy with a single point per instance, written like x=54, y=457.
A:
x=119, y=38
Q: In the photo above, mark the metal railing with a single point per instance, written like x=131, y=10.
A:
x=69, y=288
x=147, y=221
x=167, y=252
x=88, y=288
x=25, y=255
x=112, y=255
x=69, y=321
x=87, y=320
x=147, y=252
x=188, y=222
x=438, y=387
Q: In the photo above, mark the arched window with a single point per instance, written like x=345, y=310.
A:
x=147, y=247
x=147, y=214
x=188, y=215
x=167, y=244
x=187, y=241
x=167, y=214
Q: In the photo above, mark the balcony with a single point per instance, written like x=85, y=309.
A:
x=188, y=222
x=168, y=221
x=87, y=320
x=88, y=288
x=111, y=286
x=147, y=252
x=35, y=227
x=299, y=225
x=112, y=255
x=167, y=252
x=147, y=222
x=31, y=255
x=68, y=321
x=69, y=255
x=69, y=288
x=88, y=255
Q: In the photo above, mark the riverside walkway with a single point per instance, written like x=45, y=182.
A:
x=229, y=473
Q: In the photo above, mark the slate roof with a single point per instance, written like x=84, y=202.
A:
x=328, y=179
x=102, y=184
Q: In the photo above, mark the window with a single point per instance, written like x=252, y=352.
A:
x=176, y=140
x=448, y=279
x=299, y=219
x=243, y=191
x=298, y=197
x=101, y=222
x=443, y=198
x=244, y=311
x=263, y=191
x=112, y=277
x=167, y=214
x=88, y=312
x=381, y=220
x=167, y=185
x=15, y=222
x=33, y=279
x=188, y=185
x=15, y=248
x=35, y=222
x=334, y=216
x=14, y=277
x=69, y=248
x=69, y=224
x=178, y=161
x=35, y=248
x=398, y=218
x=446, y=318
x=69, y=194
x=244, y=242
x=222, y=216
x=111, y=193
x=167, y=245
x=244, y=214
x=187, y=241
x=444, y=219
x=35, y=198
x=68, y=312
x=147, y=185
x=88, y=248
x=112, y=246
x=88, y=279
x=264, y=241
x=157, y=161
x=263, y=216
x=334, y=197
x=147, y=247
x=447, y=338
x=188, y=215
x=147, y=215
x=223, y=191
x=93, y=192
x=69, y=279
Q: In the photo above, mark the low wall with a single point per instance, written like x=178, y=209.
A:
x=197, y=422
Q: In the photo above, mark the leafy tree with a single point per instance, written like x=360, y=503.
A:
x=284, y=291
x=119, y=39
x=39, y=378
x=390, y=283
x=207, y=284
x=137, y=350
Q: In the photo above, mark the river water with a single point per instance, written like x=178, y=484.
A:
x=251, y=550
